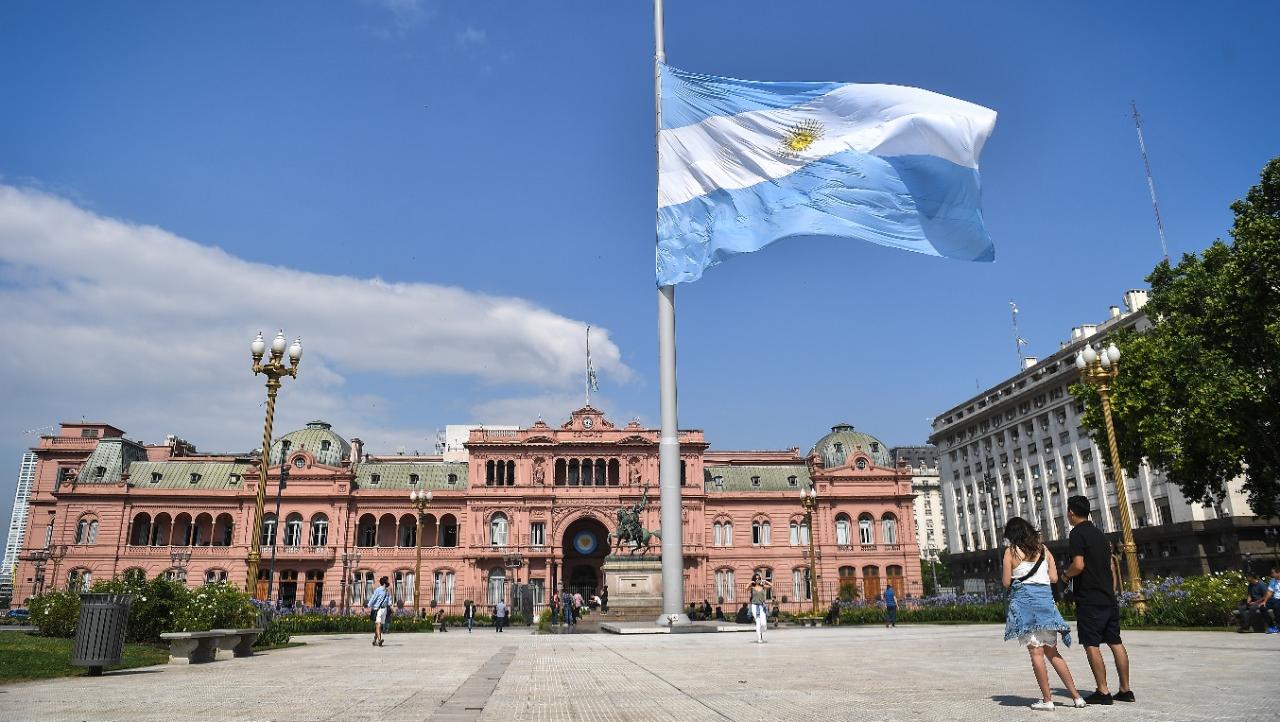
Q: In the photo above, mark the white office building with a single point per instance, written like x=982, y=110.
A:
x=1020, y=448
x=931, y=526
x=17, y=522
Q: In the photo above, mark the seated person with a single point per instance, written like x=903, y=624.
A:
x=693, y=612
x=743, y=616
x=833, y=614
x=720, y=614
x=439, y=620
x=1251, y=614
x=775, y=614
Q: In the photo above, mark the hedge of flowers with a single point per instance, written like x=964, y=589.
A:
x=159, y=605
x=1204, y=601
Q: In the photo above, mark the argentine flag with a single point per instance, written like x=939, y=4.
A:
x=742, y=164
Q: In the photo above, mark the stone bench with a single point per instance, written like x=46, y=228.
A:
x=202, y=647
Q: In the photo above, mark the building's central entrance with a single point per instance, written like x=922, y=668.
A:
x=585, y=545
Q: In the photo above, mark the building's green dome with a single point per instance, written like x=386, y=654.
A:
x=317, y=439
x=838, y=446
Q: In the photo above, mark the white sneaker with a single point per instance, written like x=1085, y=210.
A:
x=1079, y=703
x=1042, y=706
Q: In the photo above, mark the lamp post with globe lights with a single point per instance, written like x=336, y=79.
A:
x=809, y=499
x=1099, y=369
x=420, y=500
x=274, y=369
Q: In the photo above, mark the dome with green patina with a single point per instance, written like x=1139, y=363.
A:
x=837, y=447
x=317, y=439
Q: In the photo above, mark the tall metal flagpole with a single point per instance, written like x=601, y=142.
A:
x=587, y=371
x=669, y=442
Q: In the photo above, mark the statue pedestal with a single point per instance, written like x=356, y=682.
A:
x=635, y=587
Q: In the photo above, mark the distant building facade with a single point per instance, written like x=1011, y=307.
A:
x=931, y=522
x=1020, y=448
x=544, y=496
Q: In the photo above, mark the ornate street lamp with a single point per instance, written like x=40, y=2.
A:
x=809, y=499
x=56, y=554
x=1100, y=369
x=420, y=499
x=274, y=370
x=349, y=559
x=180, y=560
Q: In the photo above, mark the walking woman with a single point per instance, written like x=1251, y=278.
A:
x=759, y=613
x=1032, y=617
x=380, y=603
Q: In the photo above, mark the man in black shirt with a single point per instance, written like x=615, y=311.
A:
x=1094, y=580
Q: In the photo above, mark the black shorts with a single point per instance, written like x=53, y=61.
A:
x=1097, y=625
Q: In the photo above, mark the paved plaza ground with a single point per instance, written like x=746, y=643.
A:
x=851, y=673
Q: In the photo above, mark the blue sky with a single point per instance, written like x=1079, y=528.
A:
x=491, y=165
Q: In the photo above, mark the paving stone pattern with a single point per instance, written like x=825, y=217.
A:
x=857, y=673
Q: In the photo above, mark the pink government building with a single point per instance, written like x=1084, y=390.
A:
x=545, y=496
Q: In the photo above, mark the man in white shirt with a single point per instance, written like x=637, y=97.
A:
x=500, y=614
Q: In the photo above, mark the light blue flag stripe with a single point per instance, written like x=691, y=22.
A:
x=917, y=203
x=689, y=98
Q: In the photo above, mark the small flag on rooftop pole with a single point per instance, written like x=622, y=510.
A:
x=592, y=384
x=743, y=163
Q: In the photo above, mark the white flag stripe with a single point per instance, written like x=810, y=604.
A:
x=730, y=152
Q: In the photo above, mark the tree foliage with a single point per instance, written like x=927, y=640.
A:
x=1198, y=394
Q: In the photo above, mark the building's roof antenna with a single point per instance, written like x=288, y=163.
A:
x=1018, y=340
x=1151, y=186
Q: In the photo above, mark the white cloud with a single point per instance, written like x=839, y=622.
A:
x=405, y=15
x=471, y=37
x=139, y=327
x=524, y=410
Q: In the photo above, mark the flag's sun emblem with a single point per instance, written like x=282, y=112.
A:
x=799, y=137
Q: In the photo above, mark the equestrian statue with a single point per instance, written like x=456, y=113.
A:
x=631, y=533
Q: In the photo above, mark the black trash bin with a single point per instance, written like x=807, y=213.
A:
x=100, y=631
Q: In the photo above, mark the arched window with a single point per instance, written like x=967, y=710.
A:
x=717, y=534
x=561, y=473
x=79, y=579
x=842, y=529
x=846, y=574
x=760, y=532
x=160, y=530
x=141, y=532
x=889, y=528
x=202, y=530
x=319, y=530
x=498, y=530
x=87, y=530
x=727, y=534
x=800, y=588
x=361, y=586
x=870, y=582
x=268, y=536
x=182, y=530
x=893, y=578
x=134, y=574
x=442, y=586
x=223, y=529
x=866, y=532
x=799, y=531
x=293, y=530
x=408, y=536
x=367, y=531
x=497, y=585
x=214, y=576
x=724, y=585
x=402, y=587
x=448, y=531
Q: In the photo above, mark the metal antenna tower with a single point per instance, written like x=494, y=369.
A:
x=1018, y=340
x=1151, y=186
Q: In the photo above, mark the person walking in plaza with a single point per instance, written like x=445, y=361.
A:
x=469, y=615
x=1273, y=603
x=758, y=590
x=604, y=599
x=890, y=607
x=500, y=614
x=380, y=604
x=1033, y=618
x=1095, y=578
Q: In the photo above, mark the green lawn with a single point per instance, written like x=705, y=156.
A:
x=25, y=657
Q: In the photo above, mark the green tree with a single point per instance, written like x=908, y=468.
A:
x=1199, y=393
x=928, y=569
